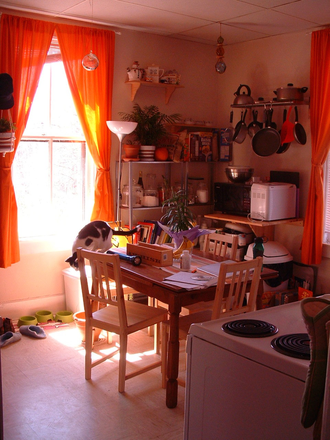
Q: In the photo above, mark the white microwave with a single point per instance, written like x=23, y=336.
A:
x=273, y=201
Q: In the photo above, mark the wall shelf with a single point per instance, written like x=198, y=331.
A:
x=169, y=88
x=260, y=228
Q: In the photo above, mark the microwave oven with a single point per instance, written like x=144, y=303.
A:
x=232, y=198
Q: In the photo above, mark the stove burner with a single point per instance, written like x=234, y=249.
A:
x=295, y=345
x=250, y=328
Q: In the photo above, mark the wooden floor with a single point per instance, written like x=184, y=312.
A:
x=46, y=395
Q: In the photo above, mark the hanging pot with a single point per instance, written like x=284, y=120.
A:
x=240, y=129
x=243, y=98
x=268, y=140
x=290, y=93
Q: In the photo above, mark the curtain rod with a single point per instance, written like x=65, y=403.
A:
x=67, y=17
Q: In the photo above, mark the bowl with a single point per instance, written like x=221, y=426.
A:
x=239, y=174
x=44, y=316
x=27, y=320
x=64, y=316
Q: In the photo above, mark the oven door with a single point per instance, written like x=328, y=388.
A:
x=231, y=198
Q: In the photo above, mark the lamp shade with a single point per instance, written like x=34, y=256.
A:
x=121, y=128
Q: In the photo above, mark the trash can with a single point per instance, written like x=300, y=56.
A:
x=72, y=289
x=276, y=257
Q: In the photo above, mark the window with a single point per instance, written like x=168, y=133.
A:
x=53, y=172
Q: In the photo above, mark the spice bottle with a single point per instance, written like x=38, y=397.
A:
x=185, y=261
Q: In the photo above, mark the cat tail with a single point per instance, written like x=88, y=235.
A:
x=130, y=232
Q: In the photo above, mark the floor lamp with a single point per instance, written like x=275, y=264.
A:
x=121, y=129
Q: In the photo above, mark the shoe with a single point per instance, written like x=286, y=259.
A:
x=8, y=338
x=33, y=330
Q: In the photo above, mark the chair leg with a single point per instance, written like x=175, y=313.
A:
x=88, y=350
x=164, y=354
x=122, y=363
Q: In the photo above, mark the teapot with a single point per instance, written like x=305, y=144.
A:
x=243, y=99
x=135, y=73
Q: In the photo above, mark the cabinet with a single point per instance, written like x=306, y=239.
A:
x=174, y=172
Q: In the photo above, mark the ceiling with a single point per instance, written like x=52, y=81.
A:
x=193, y=20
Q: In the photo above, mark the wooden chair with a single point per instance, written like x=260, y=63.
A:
x=108, y=310
x=244, y=277
x=220, y=247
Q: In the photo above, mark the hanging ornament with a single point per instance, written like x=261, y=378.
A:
x=90, y=61
x=220, y=65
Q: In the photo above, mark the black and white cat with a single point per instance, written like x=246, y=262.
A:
x=95, y=236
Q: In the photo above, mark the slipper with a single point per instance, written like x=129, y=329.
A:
x=8, y=338
x=33, y=330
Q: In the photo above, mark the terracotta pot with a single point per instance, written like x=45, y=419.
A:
x=131, y=151
x=79, y=319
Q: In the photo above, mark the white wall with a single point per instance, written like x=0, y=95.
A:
x=36, y=282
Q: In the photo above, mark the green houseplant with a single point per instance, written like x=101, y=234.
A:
x=179, y=221
x=151, y=126
x=178, y=217
x=6, y=125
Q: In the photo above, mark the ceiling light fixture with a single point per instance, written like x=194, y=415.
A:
x=90, y=61
x=220, y=65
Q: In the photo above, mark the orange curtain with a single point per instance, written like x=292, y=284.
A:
x=92, y=95
x=320, y=132
x=23, y=49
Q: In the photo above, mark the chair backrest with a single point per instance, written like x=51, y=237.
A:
x=103, y=289
x=221, y=246
x=239, y=278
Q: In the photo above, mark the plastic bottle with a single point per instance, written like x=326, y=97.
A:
x=185, y=261
x=258, y=247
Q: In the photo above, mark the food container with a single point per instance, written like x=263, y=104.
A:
x=202, y=193
x=137, y=196
x=150, y=197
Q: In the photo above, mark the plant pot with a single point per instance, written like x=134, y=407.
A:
x=7, y=141
x=131, y=151
x=79, y=319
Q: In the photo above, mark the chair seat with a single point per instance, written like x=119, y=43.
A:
x=138, y=316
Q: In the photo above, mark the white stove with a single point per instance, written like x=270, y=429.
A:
x=240, y=387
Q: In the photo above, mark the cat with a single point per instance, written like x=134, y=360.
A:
x=95, y=236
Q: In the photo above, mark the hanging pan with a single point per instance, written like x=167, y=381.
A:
x=287, y=130
x=230, y=131
x=255, y=125
x=240, y=129
x=268, y=140
x=299, y=131
x=284, y=147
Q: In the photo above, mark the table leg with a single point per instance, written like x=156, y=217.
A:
x=173, y=361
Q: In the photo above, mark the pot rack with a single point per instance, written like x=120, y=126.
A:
x=270, y=104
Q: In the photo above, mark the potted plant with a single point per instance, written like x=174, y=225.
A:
x=7, y=135
x=151, y=126
x=179, y=221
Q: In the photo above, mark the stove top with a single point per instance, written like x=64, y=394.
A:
x=294, y=345
x=250, y=328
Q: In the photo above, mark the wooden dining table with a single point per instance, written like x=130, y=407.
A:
x=149, y=280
